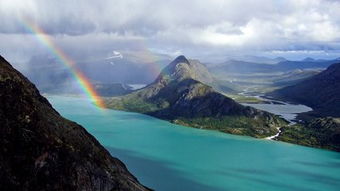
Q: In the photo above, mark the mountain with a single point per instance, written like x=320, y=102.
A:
x=279, y=59
x=240, y=76
x=127, y=67
x=262, y=59
x=111, y=89
x=48, y=74
x=181, y=68
x=307, y=63
x=179, y=95
x=71, y=87
x=121, y=70
x=51, y=76
x=244, y=67
x=321, y=92
x=41, y=150
x=320, y=132
x=294, y=76
x=308, y=59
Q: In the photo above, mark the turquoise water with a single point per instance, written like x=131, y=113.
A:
x=169, y=157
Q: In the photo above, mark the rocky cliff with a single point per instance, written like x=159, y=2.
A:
x=41, y=150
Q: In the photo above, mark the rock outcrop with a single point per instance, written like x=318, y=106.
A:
x=41, y=150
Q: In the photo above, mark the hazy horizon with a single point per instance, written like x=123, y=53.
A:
x=212, y=32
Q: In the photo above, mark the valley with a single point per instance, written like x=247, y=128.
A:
x=174, y=95
x=177, y=88
x=317, y=125
x=251, y=83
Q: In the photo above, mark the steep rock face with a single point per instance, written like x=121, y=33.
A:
x=182, y=68
x=40, y=150
x=178, y=95
x=321, y=92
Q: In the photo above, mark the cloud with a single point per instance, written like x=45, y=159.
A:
x=194, y=27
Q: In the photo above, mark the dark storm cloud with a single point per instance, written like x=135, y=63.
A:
x=193, y=27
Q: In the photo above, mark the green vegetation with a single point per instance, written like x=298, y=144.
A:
x=258, y=127
x=244, y=99
x=321, y=133
x=298, y=134
x=134, y=105
x=238, y=125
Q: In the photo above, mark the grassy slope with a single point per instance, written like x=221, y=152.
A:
x=244, y=99
x=320, y=133
x=239, y=125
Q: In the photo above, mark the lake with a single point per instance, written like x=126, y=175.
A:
x=286, y=110
x=169, y=157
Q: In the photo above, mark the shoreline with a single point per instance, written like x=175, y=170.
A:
x=276, y=102
x=274, y=136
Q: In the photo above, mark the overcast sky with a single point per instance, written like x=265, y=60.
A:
x=205, y=29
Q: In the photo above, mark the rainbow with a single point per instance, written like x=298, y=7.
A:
x=82, y=80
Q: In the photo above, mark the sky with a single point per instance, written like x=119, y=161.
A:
x=211, y=30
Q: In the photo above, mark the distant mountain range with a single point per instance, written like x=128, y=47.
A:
x=260, y=59
x=111, y=89
x=51, y=76
x=237, y=66
x=239, y=76
x=179, y=94
x=130, y=68
x=321, y=92
x=41, y=150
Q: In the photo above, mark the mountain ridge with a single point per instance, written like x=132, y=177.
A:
x=321, y=92
x=239, y=66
